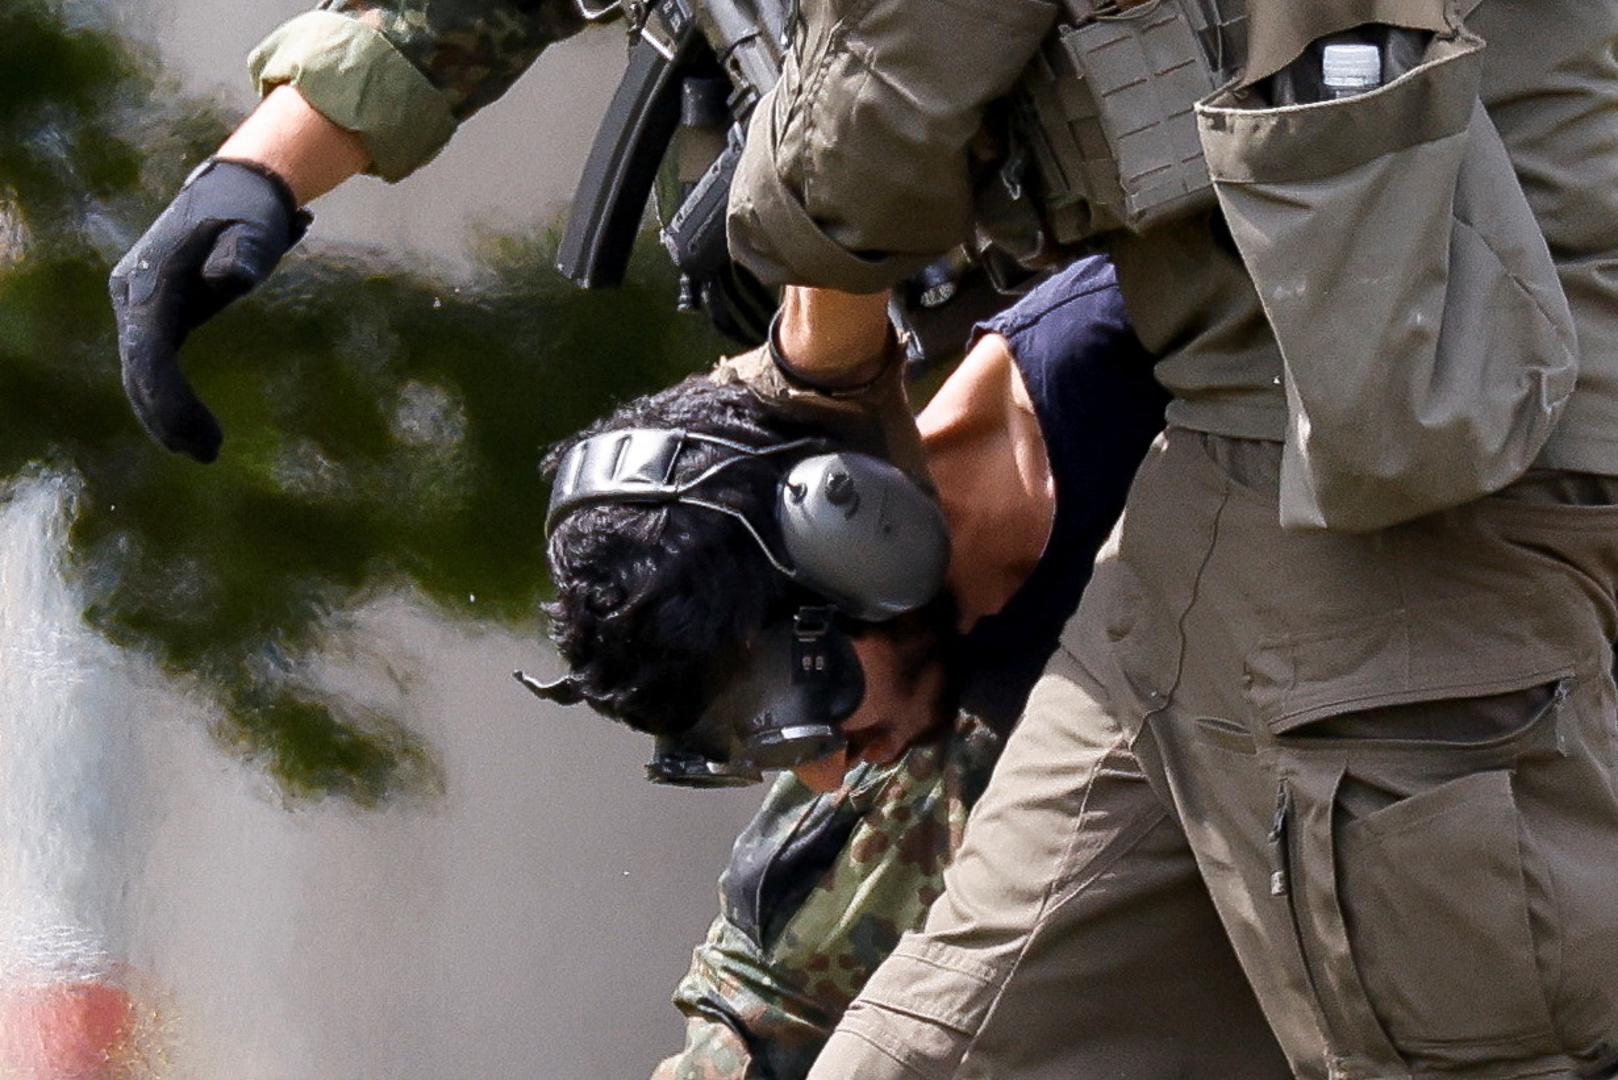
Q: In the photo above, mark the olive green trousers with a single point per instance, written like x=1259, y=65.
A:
x=1359, y=791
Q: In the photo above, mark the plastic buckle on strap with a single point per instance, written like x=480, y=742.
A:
x=812, y=623
x=811, y=652
x=664, y=25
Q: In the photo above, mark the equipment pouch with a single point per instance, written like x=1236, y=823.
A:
x=1107, y=105
x=1427, y=345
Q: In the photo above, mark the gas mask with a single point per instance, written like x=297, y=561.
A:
x=855, y=531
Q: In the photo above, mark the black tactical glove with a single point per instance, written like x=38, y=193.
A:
x=222, y=235
x=737, y=304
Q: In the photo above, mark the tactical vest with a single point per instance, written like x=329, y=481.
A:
x=1099, y=134
x=1101, y=131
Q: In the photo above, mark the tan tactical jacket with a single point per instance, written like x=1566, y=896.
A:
x=856, y=173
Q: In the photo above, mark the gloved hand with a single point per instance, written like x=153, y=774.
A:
x=874, y=418
x=736, y=303
x=221, y=236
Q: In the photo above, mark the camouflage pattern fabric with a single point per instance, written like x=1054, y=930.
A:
x=472, y=50
x=817, y=893
x=403, y=74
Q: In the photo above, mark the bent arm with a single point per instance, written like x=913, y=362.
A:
x=401, y=75
x=856, y=173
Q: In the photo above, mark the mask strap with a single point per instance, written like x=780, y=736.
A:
x=742, y=450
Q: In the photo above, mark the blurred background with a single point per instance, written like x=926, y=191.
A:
x=271, y=805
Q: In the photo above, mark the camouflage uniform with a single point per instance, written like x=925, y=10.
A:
x=818, y=891
x=402, y=74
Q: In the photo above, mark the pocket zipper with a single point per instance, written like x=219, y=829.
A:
x=1279, y=884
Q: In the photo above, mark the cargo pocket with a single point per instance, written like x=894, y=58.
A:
x=1398, y=849
x=1427, y=345
x=1435, y=900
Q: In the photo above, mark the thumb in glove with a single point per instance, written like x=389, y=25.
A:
x=221, y=236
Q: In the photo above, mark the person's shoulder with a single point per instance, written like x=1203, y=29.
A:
x=889, y=821
x=1086, y=285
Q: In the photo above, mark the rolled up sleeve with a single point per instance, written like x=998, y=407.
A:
x=855, y=173
x=402, y=74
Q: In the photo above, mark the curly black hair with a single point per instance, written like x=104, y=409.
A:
x=655, y=604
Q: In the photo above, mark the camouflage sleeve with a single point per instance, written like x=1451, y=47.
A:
x=403, y=73
x=818, y=891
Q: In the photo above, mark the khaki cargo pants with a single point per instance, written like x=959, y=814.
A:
x=1389, y=759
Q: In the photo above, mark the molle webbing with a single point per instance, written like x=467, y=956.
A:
x=1106, y=111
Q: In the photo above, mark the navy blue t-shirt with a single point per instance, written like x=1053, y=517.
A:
x=1099, y=409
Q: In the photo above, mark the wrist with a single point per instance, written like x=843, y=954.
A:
x=829, y=340
x=277, y=182
x=847, y=378
x=287, y=136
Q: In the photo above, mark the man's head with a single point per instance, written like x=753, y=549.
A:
x=659, y=605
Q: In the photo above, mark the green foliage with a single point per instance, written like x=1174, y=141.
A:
x=382, y=428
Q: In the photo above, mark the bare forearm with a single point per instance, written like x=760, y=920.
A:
x=286, y=134
x=834, y=339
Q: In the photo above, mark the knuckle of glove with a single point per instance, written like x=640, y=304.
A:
x=872, y=419
x=229, y=226
x=241, y=257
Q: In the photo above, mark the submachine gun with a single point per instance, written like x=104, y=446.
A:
x=676, y=125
